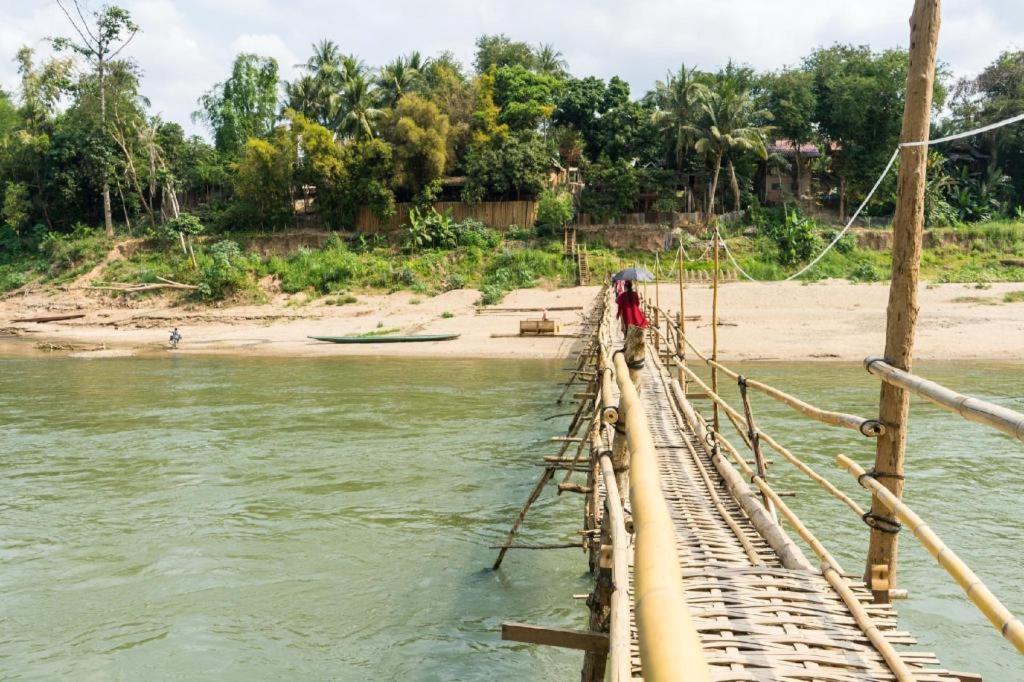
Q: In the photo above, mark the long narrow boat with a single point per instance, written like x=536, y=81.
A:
x=386, y=339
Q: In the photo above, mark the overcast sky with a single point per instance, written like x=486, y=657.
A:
x=187, y=45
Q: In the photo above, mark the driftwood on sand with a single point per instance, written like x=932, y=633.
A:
x=49, y=318
x=152, y=286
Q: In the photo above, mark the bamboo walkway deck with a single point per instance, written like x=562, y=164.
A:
x=756, y=622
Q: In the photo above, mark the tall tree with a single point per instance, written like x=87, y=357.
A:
x=550, y=61
x=789, y=96
x=418, y=133
x=99, y=41
x=243, y=106
x=678, y=98
x=500, y=50
x=358, y=111
x=729, y=123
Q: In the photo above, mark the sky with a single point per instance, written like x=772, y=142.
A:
x=186, y=46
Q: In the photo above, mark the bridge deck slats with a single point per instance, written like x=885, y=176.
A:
x=758, y=623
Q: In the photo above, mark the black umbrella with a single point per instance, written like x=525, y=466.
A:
x=635, y=274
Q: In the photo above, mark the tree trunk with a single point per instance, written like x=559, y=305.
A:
x=714, y=187
x=796, y=163
x=124, y=208
x=842, y=199
x=901, y=316
x=735, y=186
x=108, y=217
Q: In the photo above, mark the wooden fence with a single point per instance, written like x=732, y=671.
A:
x=497, y=214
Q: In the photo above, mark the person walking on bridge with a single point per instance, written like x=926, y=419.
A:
x=630, y=312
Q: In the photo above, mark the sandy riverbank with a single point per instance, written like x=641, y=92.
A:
x=764, y=321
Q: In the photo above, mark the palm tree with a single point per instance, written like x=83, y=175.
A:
x=356, y=113
x=550, y=61
x=303, y=95
x=677, y=100
x=397, y=78
x=728, y=124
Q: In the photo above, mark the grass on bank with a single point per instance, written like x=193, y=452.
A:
x=343, y=268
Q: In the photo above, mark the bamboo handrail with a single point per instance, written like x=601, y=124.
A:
x=1005, y=622
x=871, y=428
x=670, y=647
x=793, y=459
x=618, y=629
x=972, y=409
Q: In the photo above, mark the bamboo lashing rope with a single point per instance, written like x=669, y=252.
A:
x=793, y=459
x=1005, y=622
x=972, y=409
x=670, y=647
x=868, y=427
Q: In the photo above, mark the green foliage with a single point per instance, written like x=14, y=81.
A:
x=263, y=179
x=16, y=209
x=509, y=169
x=611, y=192
x=242, y=107
x=225, y=271
x=554, y=211
x=430, y=229
x=499, y=50
x=794, y=236
x=418, y=133
x=1013, y=297
x=525, y=98
x=186, y=223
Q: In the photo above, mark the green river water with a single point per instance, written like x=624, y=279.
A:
x=239, y=519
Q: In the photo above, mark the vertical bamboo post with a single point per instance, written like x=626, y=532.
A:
x=714, y=329
x=901, y=317
x=681, y=336
x=657, y=304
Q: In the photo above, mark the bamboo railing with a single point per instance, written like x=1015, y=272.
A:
x=972, y=409
x=868, y=427
x=1005, y=622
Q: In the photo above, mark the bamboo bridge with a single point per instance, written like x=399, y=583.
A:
x=695, y=576
x=701, y=570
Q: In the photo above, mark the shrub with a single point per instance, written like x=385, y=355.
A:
x=793, y=236
x=554, y=210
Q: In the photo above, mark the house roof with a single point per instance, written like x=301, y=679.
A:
x=789, y=148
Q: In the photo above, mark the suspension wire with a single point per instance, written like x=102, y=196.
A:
x=878, y=183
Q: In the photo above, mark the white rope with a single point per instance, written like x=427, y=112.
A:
x=888, y=167
x=960, y=136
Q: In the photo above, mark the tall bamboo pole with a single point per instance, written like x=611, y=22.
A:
x=908, y=226
x=714, y=329
x=657, y=302
x=681, y=336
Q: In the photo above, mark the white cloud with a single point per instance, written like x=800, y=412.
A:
x=268, y=45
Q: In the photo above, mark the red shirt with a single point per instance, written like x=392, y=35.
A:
x=629, y=310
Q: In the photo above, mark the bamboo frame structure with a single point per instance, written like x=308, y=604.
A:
x=670, y=647
x=1005, y=622
x=793, y=459
x=871, y=428
x=972, y=409
x=902, y=309
x=618, y=630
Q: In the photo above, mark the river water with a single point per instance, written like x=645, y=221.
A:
x=245, y=519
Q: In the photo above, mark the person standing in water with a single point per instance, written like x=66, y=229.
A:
x=175, y=337
x=630, y=312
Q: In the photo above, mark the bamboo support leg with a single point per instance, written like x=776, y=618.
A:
x=537, y=489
